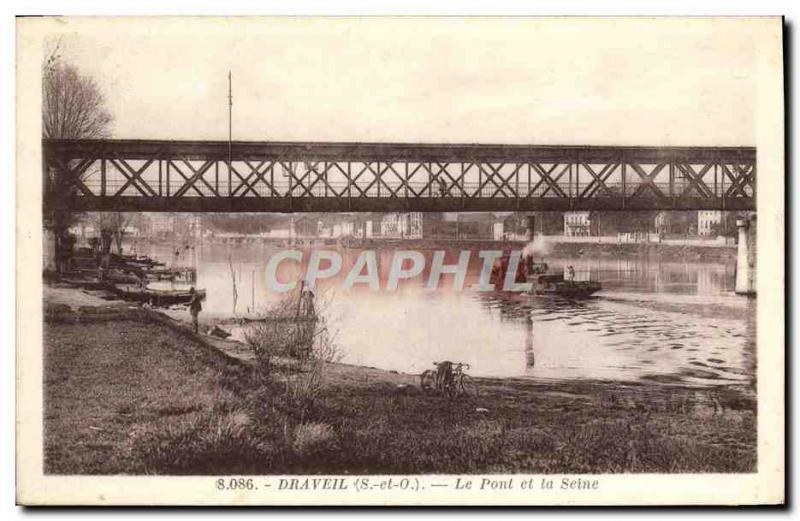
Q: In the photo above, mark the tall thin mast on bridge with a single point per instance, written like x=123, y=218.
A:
x=230, y=131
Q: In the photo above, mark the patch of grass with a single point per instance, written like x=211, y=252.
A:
x=206, y=443
x=312, y=439
x=140, y=397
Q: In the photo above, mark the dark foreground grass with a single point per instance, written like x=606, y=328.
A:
x=140, y=395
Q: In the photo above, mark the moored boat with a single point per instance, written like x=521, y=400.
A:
x=172, y=274
x=155, y=297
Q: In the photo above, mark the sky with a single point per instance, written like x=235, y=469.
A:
x=491, y=80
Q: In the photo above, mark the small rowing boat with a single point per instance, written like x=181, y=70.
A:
x=155, y=297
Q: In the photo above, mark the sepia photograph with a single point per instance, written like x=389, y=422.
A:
x=401, y=260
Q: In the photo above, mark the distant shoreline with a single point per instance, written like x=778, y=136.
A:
x=690, y=252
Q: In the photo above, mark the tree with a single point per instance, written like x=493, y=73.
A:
x=112, y=227
x=72, y=108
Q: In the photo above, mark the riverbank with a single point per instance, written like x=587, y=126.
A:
x=663, y=252
x=553, y=247
x=130, y=391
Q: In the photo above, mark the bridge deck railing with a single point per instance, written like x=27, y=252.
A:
x=107, y=174
x=411, y=190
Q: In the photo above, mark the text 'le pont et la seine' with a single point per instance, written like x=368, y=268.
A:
x=411, y=484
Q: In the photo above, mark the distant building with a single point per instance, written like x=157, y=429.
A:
x=414, y=228
x=579, y=224
x=337, y=226
x=368, y=226
x=717, y=223
x=391, y=225
x=709, y=222
x=345, y=228
x=130, y=231
x=675, y=223
x=397, y=225
x=498, y=229
x=661, y=223
x=515, y=228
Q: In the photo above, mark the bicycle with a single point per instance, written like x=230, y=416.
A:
x=456, y=383
x=462, y=383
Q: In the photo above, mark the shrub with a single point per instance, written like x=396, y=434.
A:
x=306, y=384
x=290, y=330
x=268, y=340
x=312, y=439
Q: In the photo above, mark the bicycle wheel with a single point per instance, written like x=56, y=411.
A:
x=467, y=386
x=427, y=380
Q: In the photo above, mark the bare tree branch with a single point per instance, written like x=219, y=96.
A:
x=72, y=104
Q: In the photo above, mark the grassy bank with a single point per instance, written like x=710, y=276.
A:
x=130, y=391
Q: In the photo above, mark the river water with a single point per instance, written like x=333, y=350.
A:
x=673, y=322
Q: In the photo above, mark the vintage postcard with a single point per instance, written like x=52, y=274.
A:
x=400, y=261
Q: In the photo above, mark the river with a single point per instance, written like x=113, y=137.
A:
x=672, y=322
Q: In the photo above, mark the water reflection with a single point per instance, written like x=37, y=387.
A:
x=649, y=275
x=530, y=354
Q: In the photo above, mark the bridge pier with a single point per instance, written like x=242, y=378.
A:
x=746, y=256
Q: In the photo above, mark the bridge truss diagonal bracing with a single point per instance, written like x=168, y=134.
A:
x=201, y=176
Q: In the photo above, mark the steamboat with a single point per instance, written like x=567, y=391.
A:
x=542, y=281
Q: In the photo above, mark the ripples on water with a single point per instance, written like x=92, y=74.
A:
x=605, y=339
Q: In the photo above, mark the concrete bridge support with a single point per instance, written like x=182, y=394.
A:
x=746, y=256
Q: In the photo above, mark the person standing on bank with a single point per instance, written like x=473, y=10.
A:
x=194, y=308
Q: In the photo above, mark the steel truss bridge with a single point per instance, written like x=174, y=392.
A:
x=213, y=176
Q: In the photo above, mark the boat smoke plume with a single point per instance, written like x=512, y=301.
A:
x=540, y=246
